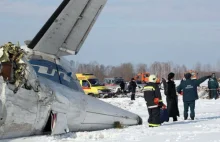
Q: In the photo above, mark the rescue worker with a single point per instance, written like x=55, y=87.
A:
x=153, y=100
x=190, y=95
x=133, y=86
x=213, y=87
x=171, y=96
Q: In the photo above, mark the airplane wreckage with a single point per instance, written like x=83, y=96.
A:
x=40, y=96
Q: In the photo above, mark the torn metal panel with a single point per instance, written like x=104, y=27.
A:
x=59, y=123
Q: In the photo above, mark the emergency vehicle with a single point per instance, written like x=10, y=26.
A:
x=91, y=85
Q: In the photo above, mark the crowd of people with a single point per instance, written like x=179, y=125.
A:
x=188, y=88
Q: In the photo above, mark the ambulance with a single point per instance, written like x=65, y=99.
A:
x=91, y=85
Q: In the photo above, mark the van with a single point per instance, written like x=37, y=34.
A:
x=91, y=85
x=114, y=84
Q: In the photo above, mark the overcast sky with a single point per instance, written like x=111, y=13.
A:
x=137, y=31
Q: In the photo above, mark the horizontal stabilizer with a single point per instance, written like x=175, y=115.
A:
x=66, y=30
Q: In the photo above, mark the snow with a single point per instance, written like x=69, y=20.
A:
x=205, y=128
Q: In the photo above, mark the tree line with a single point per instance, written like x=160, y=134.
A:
x=129, y=70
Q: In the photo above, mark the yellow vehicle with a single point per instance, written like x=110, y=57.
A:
x=91, y=86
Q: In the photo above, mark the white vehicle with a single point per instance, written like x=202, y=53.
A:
x=54, y=103
x=114, y=84
x=139, y=87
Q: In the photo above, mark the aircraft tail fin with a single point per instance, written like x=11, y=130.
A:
x=67, y=28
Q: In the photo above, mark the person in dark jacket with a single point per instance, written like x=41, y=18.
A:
x=190, y=95
x=122, y=85
x=133, y=86
x=213, y=87
x=171, y=96
x=153, y=100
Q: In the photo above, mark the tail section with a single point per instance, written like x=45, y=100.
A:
x=66, y=30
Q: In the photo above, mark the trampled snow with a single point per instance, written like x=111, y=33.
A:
x=205, y=128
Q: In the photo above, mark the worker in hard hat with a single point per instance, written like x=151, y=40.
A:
x=153, y=100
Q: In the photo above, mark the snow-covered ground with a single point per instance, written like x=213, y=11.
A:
x=205, y=128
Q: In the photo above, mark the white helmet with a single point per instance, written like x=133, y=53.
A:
x=153, y=78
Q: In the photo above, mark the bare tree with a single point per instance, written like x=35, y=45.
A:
x=127, y=70
x=156, y=68
x=141, y=68
x=198, y=67
x=166, y=69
